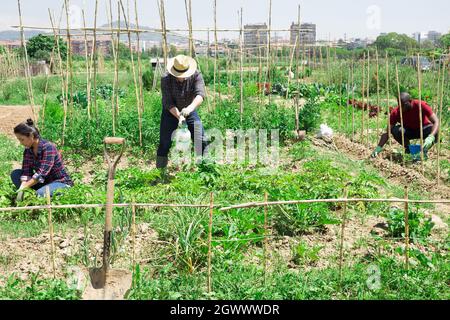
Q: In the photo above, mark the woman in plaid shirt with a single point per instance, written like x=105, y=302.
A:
x=42, y=165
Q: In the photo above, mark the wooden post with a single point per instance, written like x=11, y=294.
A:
x=419, y=80
x=211, y=208
x=50, y=229
x=406, y=229
x=341, y=247
x=297, y=101
x=401, y=112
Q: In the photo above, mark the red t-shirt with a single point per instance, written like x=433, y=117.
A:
x=411, y=118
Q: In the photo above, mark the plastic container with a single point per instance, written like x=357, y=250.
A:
x=414, y=149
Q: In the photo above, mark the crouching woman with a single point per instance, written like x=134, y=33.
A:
x=42, y=164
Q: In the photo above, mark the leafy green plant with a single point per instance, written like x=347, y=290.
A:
x=309, y=116
x=419, y=226
x=304, y=254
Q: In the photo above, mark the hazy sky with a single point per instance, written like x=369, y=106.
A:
x=355, y=18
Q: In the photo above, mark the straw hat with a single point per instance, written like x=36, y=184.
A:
x=182, y=66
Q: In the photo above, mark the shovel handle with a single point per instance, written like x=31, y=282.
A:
x=113, y=140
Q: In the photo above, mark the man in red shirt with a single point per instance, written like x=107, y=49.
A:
x=411, y=124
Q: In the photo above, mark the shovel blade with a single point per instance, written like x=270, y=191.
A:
x=98, y=277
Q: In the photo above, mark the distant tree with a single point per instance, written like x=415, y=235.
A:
x=444, y=41
x=173, y=51
x=395, y=41
x=427, y=44
x=2, y=50
x=40, y=47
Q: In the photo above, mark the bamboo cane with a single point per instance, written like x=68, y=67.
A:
x=378, y=94
x=341, y=247
x=133, y=68
x=215, y=55
x=419, y=80
x=406, y=229
x=141, y=85
x=27, y=64
x=94, y=59
x=388, y=112
x=88, y=72
x=353, y=98
x=115, y=51
x=241, y=81
x=50, y=229
x=133, y=233
x=211, y=208
x=162, y=16
x=69, y=58
x=63, y=78
x=268, y=46
x=439, y=130
x=401, y=112
x=363, y=101
x=265, y=237
x=368, y=98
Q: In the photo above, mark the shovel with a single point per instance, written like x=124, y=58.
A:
x=103, y=277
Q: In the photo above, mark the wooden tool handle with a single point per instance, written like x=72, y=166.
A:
x=111, y=140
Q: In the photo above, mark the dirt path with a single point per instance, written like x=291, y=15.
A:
x=10, y=116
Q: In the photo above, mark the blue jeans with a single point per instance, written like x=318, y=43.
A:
x=168, y=125
x=40, y=187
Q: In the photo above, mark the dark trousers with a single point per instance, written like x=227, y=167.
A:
x=410, y=134
x=168, y=125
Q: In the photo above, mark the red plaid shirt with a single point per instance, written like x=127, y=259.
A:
x=47, y=167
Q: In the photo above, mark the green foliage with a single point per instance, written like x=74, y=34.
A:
x=147, y=79
x=304, y=254
x=444, y=41
x=419, y=226
x=395, y=41
x=309, y=116
x=41, y=46
x=37, y=289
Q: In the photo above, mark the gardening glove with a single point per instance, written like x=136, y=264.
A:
x=375, y=153
x=187, y=111
x=181, y=121
x=20, y=194
x=428, y=142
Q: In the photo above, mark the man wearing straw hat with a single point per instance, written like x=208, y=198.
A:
x=183, y=91
x=410, y=110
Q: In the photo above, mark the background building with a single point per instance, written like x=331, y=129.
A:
x=307, y=33
x=253, y=37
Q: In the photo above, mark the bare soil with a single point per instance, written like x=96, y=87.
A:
x=10, y=116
